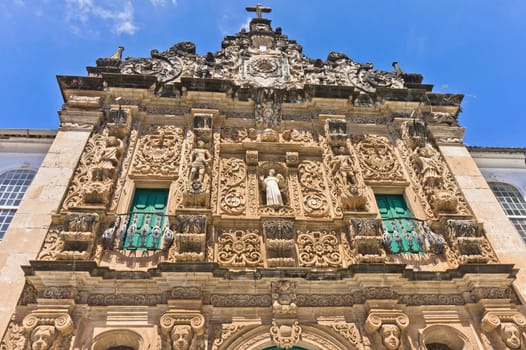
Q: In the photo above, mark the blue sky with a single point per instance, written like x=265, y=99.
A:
x=474, y=47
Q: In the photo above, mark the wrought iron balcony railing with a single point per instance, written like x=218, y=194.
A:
x=139, y=231
x=410, y=235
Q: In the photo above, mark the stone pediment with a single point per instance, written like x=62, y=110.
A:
x=261, y=57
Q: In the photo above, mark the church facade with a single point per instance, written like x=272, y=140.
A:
x=257, y=199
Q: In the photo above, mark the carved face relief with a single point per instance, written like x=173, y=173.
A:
x=42, y=337
x=511, y=335
x=181, y=337
x=390, y=336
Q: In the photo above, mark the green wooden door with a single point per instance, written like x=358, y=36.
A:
x=398, y=222
x=146, y=219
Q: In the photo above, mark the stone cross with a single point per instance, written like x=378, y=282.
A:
x=259, y=9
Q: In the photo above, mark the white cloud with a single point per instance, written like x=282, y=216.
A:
x=157, y=3
x=117, y=14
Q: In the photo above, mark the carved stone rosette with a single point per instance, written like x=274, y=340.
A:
x=378, y=159
x=318, y=249
x=239, y=248
x=184, y=329
x=158, y=151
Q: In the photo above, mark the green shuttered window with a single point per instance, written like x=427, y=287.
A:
x=146, y=220
x=399, y=226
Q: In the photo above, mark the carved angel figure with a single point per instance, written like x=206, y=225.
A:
x=272, y=184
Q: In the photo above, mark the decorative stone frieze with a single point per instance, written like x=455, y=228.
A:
x=314, y=190
x=232, y=330
x=348, y=331
x=283, y=297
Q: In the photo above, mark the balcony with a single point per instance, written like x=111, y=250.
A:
x=406, y=235
x=139, y=231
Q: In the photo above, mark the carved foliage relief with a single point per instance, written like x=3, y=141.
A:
x=318, y=249
x=158, y=151
x=314, y=190
x=233, y=186
x=239, y=248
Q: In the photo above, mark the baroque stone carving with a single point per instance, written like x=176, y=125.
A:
x=285, y=335
x=267, y=108
x=314, y=190
x=366, y=238
x=284, y=297
x=389, y=324
x=509, y=326
x=190, y=237
x=240, y=300
x=229, y=330
x=318, y=249
x=345, y=175
x=468, y=243
x=272, y=185
x=378, y=159
x=198, y=187
x=232, y=186
x=158, y=151
x=348, y=330
x=239, y=248
x=97, y=169
x=48, y=329
x=184, y=329
x=14, y=337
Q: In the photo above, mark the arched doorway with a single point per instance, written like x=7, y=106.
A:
x=276, y=348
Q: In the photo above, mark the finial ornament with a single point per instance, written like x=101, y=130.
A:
x=259, y=10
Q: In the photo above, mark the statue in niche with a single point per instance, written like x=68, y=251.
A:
x=272, y=184
x=511, y=335
x=390, y=334
x=429, y=166
x=108, y=159
x=181, y=336
x=42, y=337
x=200, y=160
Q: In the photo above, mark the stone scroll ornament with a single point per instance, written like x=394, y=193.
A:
x=183, y=330
x=159, y=151
x=47, y=330
x=314, y=190
x=318, y=249
x=388, y=325
x=239, y=248
x=96, y=172
x=506, y=326
x=233, y=186
x=285, y=335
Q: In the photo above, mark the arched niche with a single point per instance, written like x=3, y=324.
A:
x=443, y=337
x=118, y=339
x=259, y=339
